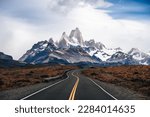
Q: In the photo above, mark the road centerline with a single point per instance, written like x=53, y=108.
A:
x=73, y=92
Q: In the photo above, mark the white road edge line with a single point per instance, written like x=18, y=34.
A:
x=103, y=89
x=45, y=88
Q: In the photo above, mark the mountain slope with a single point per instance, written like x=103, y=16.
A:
x=73, y=49
x=7, y=61
x=68, y=50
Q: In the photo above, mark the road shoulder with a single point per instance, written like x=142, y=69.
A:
x=119, y=92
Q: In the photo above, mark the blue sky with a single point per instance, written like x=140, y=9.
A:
x=133, y=9
x=116, y=23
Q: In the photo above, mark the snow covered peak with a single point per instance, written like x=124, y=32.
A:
x=90, y=43
x=51, y=40
x=96, y=45
x=76, y=37
x=134, y=50
x=118, y=49
x=64, y=41
x=64, y=34
x=100, y=46
x=137, y=54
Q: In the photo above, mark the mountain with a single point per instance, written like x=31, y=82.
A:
x=139, y=56
x=68, y=50
x=6, y=57
x=73, y=49
x=7, y=61
x=99, y=50
x=74, y=39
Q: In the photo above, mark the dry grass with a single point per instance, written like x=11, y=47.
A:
x=136, y=78
x=19, y=77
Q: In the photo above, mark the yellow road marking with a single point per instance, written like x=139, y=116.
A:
x=73, y=92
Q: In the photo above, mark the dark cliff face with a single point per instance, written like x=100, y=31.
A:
x=5, y=57
x=6, y=61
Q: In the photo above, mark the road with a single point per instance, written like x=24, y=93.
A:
x=74, y=87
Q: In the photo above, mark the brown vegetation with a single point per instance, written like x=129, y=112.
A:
x=136, y=78
x=19, y=77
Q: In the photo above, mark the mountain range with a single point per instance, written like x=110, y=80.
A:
x=72, y=49
x=8, y=61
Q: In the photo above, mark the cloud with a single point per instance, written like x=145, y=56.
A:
x=24, y=23
x=124, y=33
x=65, y=6
x=16, y=36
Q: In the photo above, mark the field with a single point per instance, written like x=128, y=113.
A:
x=136, y=78
x=18, y=77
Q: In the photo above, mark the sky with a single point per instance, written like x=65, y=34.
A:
x=115, y=23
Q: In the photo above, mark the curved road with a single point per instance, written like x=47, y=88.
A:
x=74, y=87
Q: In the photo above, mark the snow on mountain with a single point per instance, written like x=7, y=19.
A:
x=99, y=50
x=140, y=56
x=106, y=53
x=39, y=50
x=148, y=53
x=74, y=39
x=74, y=54
x=73, y=49
x=137, y=54
x=64, y=41
x=119, y=56
x=65, y=51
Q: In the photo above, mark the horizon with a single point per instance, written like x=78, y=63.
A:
x=115, y=23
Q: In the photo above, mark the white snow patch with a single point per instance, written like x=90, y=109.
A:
x=55, y=56
x=60, y=52
x=103, y=56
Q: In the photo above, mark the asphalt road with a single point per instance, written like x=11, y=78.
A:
x=74, y=87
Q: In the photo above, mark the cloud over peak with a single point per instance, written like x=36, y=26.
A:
x=64, y=6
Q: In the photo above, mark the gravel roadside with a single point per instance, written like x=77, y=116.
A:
x=118, y=92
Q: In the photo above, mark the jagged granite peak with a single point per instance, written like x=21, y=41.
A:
x=6, y=57
x=99, y=50
x=73, y=49
x=100, y=46
x=94, y=45
x=119, y=56
x=90, y=43
x=138, y=54
x=76, y=37
x=64, y=41
x=51, y=40
x=40, y=49
x=134, y=50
